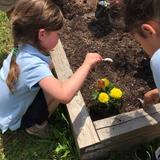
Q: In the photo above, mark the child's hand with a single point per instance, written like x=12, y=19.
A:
x=151, y=97
x=92, y=59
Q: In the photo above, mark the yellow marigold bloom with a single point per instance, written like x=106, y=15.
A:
x=106, y=82
x=103, y=97
x=116, y=93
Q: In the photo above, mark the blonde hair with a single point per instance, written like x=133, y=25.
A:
x=26, y=20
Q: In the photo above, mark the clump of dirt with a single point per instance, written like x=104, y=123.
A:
x=130, y=70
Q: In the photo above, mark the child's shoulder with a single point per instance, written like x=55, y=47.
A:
x=155, y=59
x=32, y=55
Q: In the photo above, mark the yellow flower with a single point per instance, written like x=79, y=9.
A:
x=116, y=93
x=103, y=97
x=106, y=82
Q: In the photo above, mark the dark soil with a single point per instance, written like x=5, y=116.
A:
x=130, y=70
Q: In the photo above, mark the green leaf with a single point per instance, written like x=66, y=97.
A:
x=110, y=87
x=63, y=116
x=95, y=94
x=67, y=152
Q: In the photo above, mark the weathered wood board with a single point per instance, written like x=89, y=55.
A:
x=95, y=138
x=83, y=128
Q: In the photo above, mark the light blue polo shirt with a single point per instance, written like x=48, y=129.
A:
x=34, y=66
x=155, y=67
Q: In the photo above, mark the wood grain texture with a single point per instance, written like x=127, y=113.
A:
x=83, y=128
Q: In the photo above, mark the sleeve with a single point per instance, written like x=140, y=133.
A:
x=155, y=66
x=35, y=72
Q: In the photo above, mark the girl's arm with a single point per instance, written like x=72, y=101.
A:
x=66, y=90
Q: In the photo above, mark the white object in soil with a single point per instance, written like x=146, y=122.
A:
x=108, y=59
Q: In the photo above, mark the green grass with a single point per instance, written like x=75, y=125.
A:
x=21, y=146
x=5, y=36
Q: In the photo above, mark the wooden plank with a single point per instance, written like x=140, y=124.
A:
x=124, y=117
x=128, y=122
x=124, y=141
x=83, y=128
x=113, y=139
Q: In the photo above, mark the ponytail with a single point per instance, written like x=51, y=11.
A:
x=13, y=71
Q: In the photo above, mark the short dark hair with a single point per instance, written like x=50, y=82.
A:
x=138, y=12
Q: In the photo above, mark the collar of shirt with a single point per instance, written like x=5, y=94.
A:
x=34, y=51
x=155, y=55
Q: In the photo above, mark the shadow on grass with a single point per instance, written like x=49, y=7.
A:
x=21, y=146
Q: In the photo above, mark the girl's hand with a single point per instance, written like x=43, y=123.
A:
x=151, y=97
x=92, y=59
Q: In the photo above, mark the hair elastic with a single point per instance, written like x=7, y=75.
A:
x=15, y=51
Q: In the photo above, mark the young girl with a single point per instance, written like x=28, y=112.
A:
x=29, y=91
x=142, y=18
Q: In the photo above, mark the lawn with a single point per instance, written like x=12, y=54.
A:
x=5, y=36
x=21, y=146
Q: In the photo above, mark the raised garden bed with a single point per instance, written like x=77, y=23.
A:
x=130, y=71
x=95, y=138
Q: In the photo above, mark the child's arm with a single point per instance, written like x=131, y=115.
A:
x=151, y=97
x=65, y=91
